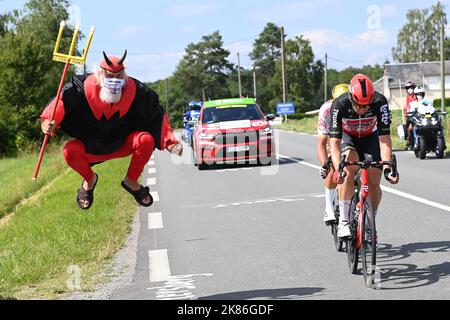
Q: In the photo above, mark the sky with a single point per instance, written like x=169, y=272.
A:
x=156, y=33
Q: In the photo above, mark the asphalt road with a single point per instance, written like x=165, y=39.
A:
x=246, y=232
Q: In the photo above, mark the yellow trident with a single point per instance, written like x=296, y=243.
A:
x=69, y=58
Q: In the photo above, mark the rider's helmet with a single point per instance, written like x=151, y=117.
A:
x=362, y=90
x=197, y=106
x=420, y=93
x=339, y=90
x=410, y=86
x=193, y=105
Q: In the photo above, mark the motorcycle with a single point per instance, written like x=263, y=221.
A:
x=428, y=132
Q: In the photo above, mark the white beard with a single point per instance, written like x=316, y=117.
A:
x=109, y=98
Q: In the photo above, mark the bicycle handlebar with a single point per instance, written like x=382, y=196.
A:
x=368, y=164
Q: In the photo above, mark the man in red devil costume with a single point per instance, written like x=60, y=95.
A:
x=110, y=115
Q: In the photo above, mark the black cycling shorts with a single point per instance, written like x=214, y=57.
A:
x=369, y=145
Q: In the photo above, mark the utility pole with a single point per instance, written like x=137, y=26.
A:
x=239, y=75
x=283, y=65
x=326, y=78
x=204, y=95
x=254, y=83
x=442, y=68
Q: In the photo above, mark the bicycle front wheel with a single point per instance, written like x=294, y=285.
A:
x=369, y=245
x=352, y=251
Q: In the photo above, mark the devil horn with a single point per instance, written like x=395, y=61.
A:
x=108, y=62
x=123, y=58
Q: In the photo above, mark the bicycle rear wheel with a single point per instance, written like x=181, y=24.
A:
x=369, y=245
x=337, y=241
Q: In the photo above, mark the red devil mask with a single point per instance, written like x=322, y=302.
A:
x=113, y=64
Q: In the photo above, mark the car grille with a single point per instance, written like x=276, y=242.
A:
x=237, y=138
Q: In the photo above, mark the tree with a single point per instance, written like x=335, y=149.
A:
x=303, y=73
x=204, y=67
x=419, y=39
x=267, y=50
x=29, y=76
x=265, y=55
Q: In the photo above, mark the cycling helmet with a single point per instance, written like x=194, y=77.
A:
x=339, y=90
x=192, y=104
x=419, y=91
x=362, y=90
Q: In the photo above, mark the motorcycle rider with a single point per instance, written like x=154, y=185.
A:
x=419, y=92
x=410, y=98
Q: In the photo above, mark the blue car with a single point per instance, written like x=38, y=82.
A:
x=190, y=119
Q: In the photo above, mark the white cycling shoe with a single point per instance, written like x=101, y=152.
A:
x=344, y=230
x=329, y=217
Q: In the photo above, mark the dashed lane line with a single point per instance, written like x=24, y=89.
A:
x=155, y=221
x=155, y=196
x=159, y=265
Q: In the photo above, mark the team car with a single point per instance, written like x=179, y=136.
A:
x=233, y=130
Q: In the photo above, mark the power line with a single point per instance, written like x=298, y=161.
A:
x=360, y=61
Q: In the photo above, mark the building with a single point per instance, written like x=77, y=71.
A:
x=425, y=74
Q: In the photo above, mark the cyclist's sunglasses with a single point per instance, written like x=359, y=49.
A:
x=357, y=105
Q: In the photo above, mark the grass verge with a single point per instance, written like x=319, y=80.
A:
x=16, y=173
x=48, y=236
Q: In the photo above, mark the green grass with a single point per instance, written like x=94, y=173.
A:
x=16, y=176
x=48, y=233
x=309, y=125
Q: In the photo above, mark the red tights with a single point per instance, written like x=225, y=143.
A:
x=138, y=144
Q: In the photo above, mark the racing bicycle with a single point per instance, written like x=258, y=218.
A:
x=364, y=239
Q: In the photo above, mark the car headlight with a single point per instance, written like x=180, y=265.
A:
x=267, y=130
x=424, y=122
x=434, y=121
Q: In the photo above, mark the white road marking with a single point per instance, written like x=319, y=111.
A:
x=158, y=265
x=303, y=163
x=155, y=196
x=178, y=287
x=155, y=221
x=151, y=163
x=151, y=170
x=416, y=198
x=151, y=181
x=246, y=203
x=387, y=189
x=284, y=198
x=152, y=157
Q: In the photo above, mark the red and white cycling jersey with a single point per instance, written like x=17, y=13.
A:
x=344, y=119
x=323, y=126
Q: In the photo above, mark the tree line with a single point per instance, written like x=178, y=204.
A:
x=29, y=77
x=205, y=72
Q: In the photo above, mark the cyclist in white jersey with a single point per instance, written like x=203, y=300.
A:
x=323, y=151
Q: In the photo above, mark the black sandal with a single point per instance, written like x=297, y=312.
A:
x=139, y=195
x=86, y=195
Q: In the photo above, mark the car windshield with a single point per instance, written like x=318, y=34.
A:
x=231, y=113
